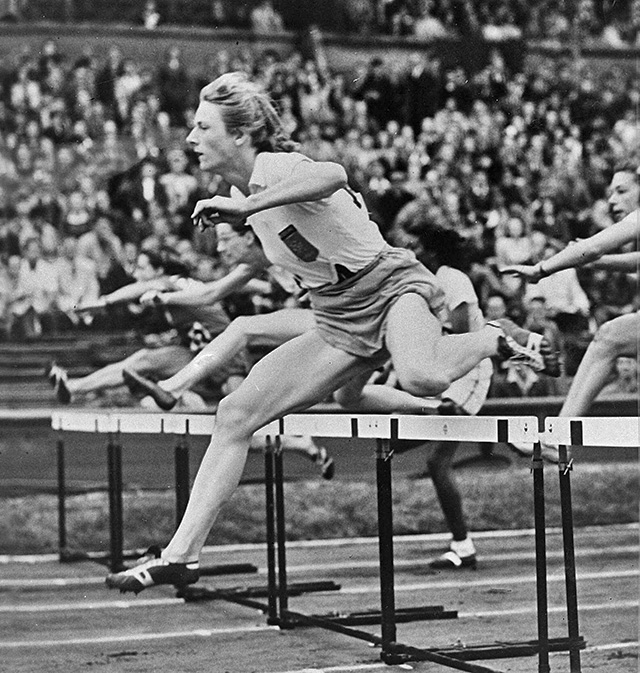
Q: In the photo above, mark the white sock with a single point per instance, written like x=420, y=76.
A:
x=463, y=547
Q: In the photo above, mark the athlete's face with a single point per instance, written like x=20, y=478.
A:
x=210, y=139
x=144, y=270
x=231, y=246
x=624, y=194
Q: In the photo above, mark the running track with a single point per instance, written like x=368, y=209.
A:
x=61, y=618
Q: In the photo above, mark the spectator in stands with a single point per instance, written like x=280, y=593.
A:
x=77, y=282
x=150, y=15
x=378, y=92
x=34, y=302
x=265, y=19
x=626, y=378
x=175, y=87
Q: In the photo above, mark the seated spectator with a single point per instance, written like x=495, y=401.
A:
x=77, y=282
x=626, y=380
x=77, y=218
x=265, y=19
x=150, y=15
x=34, y=302
x=9, y=278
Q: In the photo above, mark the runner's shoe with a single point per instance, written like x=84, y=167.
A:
x=139, y=384
x=451, y=561
x=528, y=348
x=152, y=572
x=326, y=464
x=58, y=378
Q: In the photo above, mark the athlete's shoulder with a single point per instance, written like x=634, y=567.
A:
x=272, y=167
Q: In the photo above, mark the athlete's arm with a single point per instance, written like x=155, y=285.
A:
x=625, y=261
x=210, y=293
x=310, y=181
x=127, y=293
x=583, y=252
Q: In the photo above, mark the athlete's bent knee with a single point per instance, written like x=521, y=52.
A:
x=423, y=384
x=233, y=418
x=614, y=338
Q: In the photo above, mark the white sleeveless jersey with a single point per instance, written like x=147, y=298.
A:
x=320, y=242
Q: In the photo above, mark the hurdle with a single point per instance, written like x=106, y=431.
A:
x=114, y=425
x=384, y=429
x=575, y=432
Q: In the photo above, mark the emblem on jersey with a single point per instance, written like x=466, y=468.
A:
x=298, y=244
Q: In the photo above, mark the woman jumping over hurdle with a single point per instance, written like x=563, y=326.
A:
x=371, y=302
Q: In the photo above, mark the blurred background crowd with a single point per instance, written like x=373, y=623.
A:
x=614, y=23
x=93, y=166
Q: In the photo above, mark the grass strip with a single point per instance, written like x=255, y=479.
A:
x=493, y=500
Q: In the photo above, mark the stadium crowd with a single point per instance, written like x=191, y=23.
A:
x=611, y=23
x=93, y=169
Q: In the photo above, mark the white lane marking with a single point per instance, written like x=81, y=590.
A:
x=324, y=567
x=374, y=667
x=354, y=541
x=620, y=605
x=497, y=581
x=201, y=633
x=93, y=605
x=488, y=558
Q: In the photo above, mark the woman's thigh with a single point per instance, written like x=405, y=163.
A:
x=293, y=377
x=411, y=336
x=273, y=329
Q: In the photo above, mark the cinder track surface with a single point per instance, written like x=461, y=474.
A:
x=57, y=617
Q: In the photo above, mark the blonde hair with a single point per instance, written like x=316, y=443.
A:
x=246, y=107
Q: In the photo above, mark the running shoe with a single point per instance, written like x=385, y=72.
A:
x=58, y=378
x=451, y=561
x=528, y=348
x=326, y=464
x=139, y=384
x=153, y=571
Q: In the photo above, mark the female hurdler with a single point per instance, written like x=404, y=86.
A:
x=371, y=302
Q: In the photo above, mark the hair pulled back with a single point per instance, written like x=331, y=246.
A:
x=245, y=107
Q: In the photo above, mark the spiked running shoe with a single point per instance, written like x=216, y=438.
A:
x=528, y=348
x=153, y=572
x=139, y=384
x=451, y=561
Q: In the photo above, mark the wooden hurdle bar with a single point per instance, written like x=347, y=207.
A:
x=384, y=429
x=567, y=434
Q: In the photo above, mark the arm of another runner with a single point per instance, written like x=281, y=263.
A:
x=212, y=292
x=625, y=261
x=583, y=252
x=125, y=294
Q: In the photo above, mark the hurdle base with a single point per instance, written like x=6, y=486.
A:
x=402, y=615
x=194, y=594
x=497, y=650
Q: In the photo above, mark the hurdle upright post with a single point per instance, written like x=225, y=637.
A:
x=181, y=462
x=385, y=548
x=281, y=536
x=62, y=495
x=571, y=584
x=272, y=584
x=114, y=467
x=541, y=559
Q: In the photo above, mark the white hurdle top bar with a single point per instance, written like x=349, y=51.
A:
x=617, y=432
x=376, y=426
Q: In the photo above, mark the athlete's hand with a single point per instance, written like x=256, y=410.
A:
x=531, y=273
x=209, y=212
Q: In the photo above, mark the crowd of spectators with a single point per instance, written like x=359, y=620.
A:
x=93, y=169
x=611, y=23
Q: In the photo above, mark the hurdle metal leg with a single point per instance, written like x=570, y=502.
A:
x=181, y=462
x=62, y=495
x=114, y=466
x=541, y=559
x=385, y=549
x=272, y=583
x=564, y=470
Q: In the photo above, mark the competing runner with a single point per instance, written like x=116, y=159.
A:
x=617, y=337
x=371, y=302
